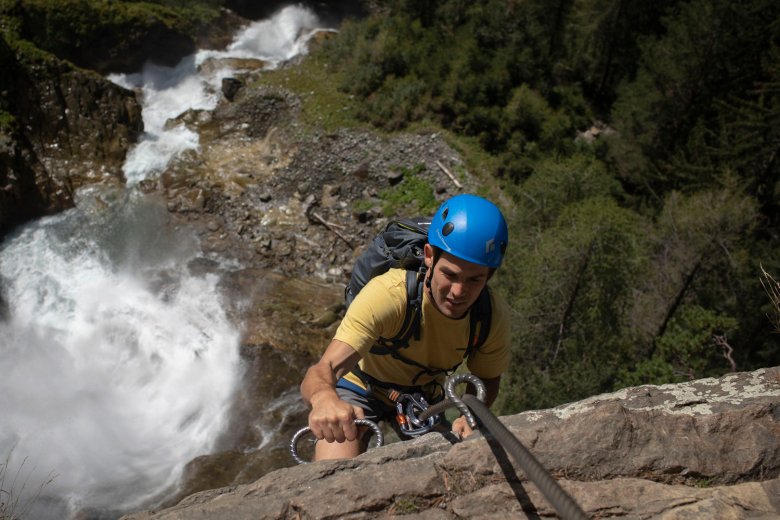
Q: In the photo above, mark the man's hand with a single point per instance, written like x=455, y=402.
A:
x=333, y=419
x=461, y=428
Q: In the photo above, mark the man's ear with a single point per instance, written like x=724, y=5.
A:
x=428, y=251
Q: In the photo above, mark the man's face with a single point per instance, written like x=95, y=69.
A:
x=455, y=283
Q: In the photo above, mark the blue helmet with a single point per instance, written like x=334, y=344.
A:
x=470, y=228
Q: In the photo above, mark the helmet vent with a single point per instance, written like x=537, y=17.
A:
x=447, y=229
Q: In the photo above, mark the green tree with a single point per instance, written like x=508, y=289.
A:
x=601, y=43
x=570, y=298
x=711, y=50
x=699, y=253
x=695, y=345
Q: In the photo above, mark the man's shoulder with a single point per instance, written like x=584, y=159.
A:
x=388, y=285
x=390, y=278
x=500, y=313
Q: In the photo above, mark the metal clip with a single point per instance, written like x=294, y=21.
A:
x=408, y=408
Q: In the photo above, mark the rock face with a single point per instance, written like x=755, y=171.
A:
x=73, y=128
x=703, y=449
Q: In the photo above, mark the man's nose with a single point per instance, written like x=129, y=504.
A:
x=458, y=289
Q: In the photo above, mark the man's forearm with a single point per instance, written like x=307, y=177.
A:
x=491, y=389
x=318, y=379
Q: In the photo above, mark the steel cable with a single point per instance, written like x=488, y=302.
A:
x=567, y=508
x=552, y=491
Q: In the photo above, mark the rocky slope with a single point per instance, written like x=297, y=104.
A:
x=298, y=200
x=62, y=123
x=703, y=449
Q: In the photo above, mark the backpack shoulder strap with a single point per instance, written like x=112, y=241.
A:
x=412, y=318
x=479, y=321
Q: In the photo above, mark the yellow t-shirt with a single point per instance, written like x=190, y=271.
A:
x=378, y=311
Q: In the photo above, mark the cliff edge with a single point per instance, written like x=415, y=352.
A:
x=704, y=449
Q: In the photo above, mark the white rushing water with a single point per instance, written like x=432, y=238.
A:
x=168, y=92
x=118, y=362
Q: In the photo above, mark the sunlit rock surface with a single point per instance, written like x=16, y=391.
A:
x=703, y=449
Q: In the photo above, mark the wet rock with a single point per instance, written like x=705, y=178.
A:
x=211, y=66
x=230, y=87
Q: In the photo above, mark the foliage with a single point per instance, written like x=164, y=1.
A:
x=571, y=299
x=7, y=122
x=69, y=28
x=681, y=118
x=695, y=345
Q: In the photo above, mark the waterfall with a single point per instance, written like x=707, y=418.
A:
x=168, y=92
x=118, y=359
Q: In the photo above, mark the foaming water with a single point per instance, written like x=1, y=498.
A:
x=118, y=363
x=168, y=92
x=282, y=37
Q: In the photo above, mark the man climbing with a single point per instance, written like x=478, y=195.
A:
x=357, y=378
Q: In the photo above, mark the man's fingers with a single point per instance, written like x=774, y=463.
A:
x=335, y=426
x=460, y=426
x=350, y=431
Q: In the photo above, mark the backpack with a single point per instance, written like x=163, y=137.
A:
x=401, y=245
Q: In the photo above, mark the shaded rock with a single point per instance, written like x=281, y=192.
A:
x=230, y=87
x=73, y=128
x=394, y=176
x=704, y=449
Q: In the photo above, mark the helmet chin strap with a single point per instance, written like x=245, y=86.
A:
x=429, y=274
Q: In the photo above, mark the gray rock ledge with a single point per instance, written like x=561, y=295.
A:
x=703, y=449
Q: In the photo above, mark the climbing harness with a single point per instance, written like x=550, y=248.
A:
x=379, y=438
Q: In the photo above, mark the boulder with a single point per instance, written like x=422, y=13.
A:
x=702, y=449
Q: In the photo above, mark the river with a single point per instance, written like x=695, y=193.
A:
x=119, y=362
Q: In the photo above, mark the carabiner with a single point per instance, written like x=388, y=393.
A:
x=408, y=413
x=379, y=438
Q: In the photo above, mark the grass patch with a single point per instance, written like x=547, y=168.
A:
x=316, y=83
x=407, y=505
x=413, y=195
